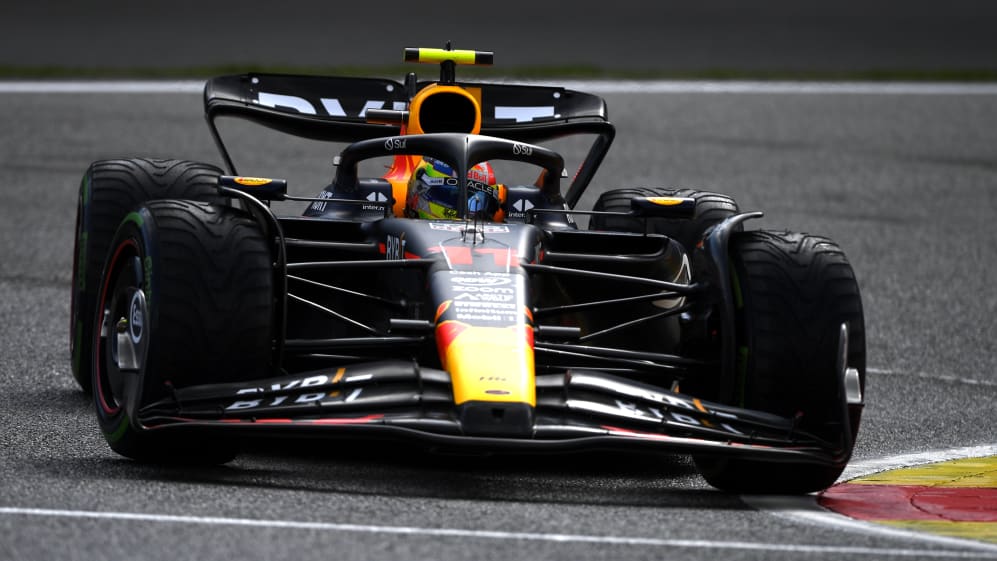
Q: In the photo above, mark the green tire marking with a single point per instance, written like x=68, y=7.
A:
x=118, y=431
x=134, y=217
x=736, y=285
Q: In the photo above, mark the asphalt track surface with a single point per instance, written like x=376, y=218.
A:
x=907, y=184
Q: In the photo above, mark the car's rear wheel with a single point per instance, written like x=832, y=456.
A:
x=793, y=293
x=109, y=190
x=711, y=208
x=185, y=299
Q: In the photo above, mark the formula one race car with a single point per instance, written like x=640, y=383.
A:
x=440, y=305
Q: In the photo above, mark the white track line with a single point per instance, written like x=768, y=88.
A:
x=806, y=509
x=862, y=468
x=766, y=87
x=102, y=86
x=595, y=86
x=937, y=377
x=485, y=534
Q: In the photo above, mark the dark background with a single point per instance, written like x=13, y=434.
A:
x=916, y=38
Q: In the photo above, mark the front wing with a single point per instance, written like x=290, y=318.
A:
x=577, y=410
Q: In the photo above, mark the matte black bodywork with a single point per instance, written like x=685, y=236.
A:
x=616, y=323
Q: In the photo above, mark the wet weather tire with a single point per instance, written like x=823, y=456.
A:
x=186, y=298
x=109, y=190
x=711, y=208
x=792, y=293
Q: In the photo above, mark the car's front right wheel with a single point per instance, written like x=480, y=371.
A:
x=793, y=293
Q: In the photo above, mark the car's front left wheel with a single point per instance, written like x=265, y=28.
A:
x=185, y=298
x=109, y=190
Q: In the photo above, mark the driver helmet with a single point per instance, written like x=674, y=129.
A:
x=433, y=190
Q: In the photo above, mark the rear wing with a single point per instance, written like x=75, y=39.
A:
x=333, y=109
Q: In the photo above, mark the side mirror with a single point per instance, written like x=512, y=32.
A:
x=263, y=188
x=663, y=207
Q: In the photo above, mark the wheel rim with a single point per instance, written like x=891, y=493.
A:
x=122, y=328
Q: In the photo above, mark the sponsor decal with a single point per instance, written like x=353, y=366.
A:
x=378, y=199
x=447, y=226
x=331, y=105
x=480, y=174
x=482, y=288
x=319, y=206
x=397, y=143
x=460, y=227
x=488, y=297
x=482, y=280
x=482, y=316
x=252, y=181
x=523, y=114
x=522, y=149
x=522, y=205
x=319, y=396
x=394, y=247
x=476, y=186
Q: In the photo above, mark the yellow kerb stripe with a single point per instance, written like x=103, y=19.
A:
x=986, y=531
x=969, y=472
